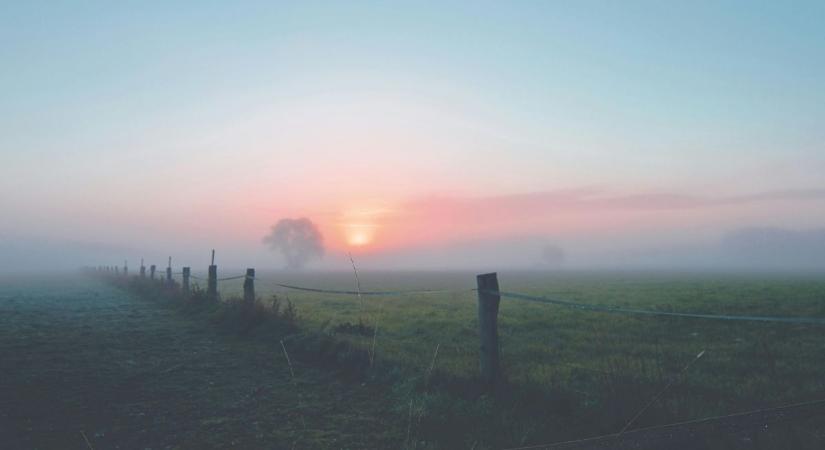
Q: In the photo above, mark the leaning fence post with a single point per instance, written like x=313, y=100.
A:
x=152, y=272
x=212, y=282
x=488, y=300
x=185, y=280
x=169, y=281
x=249, y=287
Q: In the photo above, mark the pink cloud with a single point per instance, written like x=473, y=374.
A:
x=441, y=219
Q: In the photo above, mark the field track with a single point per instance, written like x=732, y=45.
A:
x=81, y=360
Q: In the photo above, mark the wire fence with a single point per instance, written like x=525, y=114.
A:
x=386, y=293
x=520, y=296
x=537, y=299
x=653, y=312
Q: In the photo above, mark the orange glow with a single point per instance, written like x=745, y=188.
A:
x=358, y=238
x=360, y=226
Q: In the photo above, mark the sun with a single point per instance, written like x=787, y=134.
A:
x=358, y=238
x=359, y=234
x=360, y=226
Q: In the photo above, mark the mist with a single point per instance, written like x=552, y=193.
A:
x=298, y=241
x=297, y=244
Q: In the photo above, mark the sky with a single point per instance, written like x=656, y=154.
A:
x=413, y=134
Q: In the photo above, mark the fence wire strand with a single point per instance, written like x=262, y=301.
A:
x=653, y=312
x=535, y=299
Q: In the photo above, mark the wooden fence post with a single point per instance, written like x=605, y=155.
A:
x=212, y=281
x=185, y=281
x=249, y=287
x=152, y=272
x=488, y=300
x=142, y=269
x=125, y=268
x=169, y=281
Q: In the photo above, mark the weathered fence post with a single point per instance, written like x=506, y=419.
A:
x=169, y=281
x=185, y=280
x=125, y=268
x=142, y=269
x=152, y=272
x=488, y=300
x=212, y=281
x=249, y=287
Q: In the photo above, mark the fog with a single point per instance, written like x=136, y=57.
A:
x=297, y=245
x=298, y=241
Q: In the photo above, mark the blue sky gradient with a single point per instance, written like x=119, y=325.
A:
x=106, y=105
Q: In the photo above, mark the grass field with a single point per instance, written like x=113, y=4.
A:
x=570, y=374
x=603, y=367
x=82, y=360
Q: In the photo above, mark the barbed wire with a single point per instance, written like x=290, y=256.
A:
x=536, y=299
x=371, y=293
x=339, y=291
x=653, y=312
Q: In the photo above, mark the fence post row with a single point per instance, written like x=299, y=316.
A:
x=212, y=282
x=488, y=300
x=249, y=287
x=488, y=305
x=169, y=281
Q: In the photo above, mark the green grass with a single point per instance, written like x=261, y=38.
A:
x=572, y=374
x=606, y=360
x=81, y=356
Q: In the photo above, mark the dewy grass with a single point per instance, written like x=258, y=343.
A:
x=570, y=374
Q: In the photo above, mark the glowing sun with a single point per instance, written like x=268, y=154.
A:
x=359, y=226
x=358, y=238
x=359, y=234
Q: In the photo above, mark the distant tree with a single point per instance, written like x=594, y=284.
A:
x=298, y=240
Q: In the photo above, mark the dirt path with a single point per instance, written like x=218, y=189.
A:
x=82, y=360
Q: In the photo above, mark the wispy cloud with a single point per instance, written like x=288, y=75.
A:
x=582, y=211
x=600, y=199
